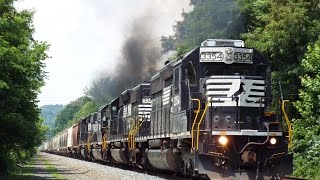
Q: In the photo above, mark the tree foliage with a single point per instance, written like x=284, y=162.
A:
x=307, y=128
x=88, y=108
x=49, y=114
x=281, y=30
x=21, y=76
x=73, y=111
x=208, y=19
x=97, y=91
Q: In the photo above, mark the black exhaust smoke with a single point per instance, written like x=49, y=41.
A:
x=139, y=60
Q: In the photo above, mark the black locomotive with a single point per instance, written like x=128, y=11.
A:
x=206, y=114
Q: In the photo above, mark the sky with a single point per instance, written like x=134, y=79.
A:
x=86, y=37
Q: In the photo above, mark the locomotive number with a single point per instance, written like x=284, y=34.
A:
x=211, y=56
x=242, y=57
x=146, y=100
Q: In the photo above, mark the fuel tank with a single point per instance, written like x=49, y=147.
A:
x=162, y=159
x=119, y=155
x=97, y=154
x=83, y=153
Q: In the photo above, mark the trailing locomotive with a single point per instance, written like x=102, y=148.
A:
x=206, y=114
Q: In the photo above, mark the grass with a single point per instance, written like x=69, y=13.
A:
x=28, y=170
x=52, y=170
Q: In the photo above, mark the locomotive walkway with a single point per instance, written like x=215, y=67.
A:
x=49, y=166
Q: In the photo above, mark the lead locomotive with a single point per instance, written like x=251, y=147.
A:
x=206, y=114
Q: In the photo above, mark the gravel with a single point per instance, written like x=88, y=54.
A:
x=70, y=168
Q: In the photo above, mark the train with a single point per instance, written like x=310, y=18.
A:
x=207, y=114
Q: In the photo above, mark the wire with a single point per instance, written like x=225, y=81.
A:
x=255, y=143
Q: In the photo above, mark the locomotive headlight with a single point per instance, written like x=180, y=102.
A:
x=223, y=140
x=273, y=141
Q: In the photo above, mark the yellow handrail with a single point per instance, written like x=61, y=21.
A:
x=130, y=132
x=195, y=120
x=88, y=141
x=104, y=141
x=204, y=112
x=288, y=122
x=134, y=134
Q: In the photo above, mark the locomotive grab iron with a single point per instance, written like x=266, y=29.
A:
x=205, y=114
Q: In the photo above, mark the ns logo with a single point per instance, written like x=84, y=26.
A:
x=239, y=91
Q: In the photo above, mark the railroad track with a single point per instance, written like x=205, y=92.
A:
x=153, y=172
x=72, y=168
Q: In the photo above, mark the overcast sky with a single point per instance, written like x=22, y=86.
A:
x=86, y=37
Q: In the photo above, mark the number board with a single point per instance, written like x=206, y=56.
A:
x=211, y=56
x=242, y=57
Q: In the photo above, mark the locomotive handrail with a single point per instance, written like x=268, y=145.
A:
x=195, y=120
x=201, y=119
x=159, y=109
x=90, y=135
x=129, y=134
x=104, y=141
x=132, y=135
x=135, y=132
x=288, y=122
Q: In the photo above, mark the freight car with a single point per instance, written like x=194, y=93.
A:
x=206, y=114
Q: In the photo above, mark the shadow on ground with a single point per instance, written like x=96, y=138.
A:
x=36, y=169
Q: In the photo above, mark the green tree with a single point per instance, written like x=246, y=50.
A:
x=281, y=30
x=97, y=91
x=168, y=44
x=307, y=128
x=72, y=111
x=49, y=114
x=209, y=19
x=88, y=108
x=21, y=76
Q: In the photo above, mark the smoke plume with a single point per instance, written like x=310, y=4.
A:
x=139, y=60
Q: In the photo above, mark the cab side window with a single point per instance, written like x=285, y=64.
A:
x=190, y=74
x=176, y=78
